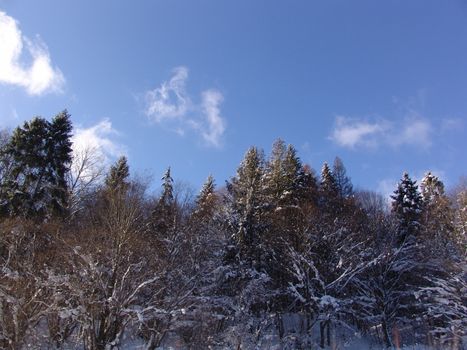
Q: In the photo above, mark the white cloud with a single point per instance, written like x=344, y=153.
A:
x=40, y=77
x=170, y=105
x=352, y=132
x=170, y=100
x=214, y=121
x=99, y=139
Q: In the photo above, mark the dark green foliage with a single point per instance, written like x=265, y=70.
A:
x=246, y=200
x=167, y=196
x=40, y=157
x=407, y=208
x=283, y=244
x=163, y=215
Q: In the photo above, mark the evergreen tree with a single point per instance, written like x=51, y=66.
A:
x=309, y=187
x=203, y=226
x=164, y=213
x=40, y=156
x=167, y=196
x=329, y=185
x=407, y=208
x=283, y=175
x=59, y=159
x=206, y=200
x=343, y=182
x=329, y=200
x=245, y=202
x=437, y=215
x=117, y=179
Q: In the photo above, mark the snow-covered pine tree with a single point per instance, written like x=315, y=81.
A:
x=284, y=186
x=329, y=191
x=205, y=201
x=59, y=154
x=245, y=202
x=163, y=216
x=444, y=268
x=117, y=178
x=246, y=255
x=204, y=229
x=40, y=156
x=283, y=176
x=437, y=217
x=407, y=208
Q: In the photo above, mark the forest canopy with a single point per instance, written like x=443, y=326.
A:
x=282, y=256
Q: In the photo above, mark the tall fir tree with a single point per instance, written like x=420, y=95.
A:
x=164, y=214
x=60, y=159
x=205, y=201
x=245, y=202
x=438, y=215
x=117, y=178
x=329, y=199
x=40, y=154
x=407, y=208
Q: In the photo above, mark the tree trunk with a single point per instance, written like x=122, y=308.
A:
x=386, y=336
x=321, y=333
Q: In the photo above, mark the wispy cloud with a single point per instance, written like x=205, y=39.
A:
x=171, y=105
x=170, y=100
x=354, y=132
x=99, y=139
x=39, y=76
x=413, y=131
x=452, y=124
x=214, y=121
x=350, y=132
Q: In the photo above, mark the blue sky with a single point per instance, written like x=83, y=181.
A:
x=193, y=84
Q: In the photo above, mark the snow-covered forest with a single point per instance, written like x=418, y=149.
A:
x=282, y=256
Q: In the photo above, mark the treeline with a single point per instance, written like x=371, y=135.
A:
x=279, y=257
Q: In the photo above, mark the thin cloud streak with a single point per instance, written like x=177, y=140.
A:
x=40, y=77
x=171, y=105
x=214, y=121
x=352, y=133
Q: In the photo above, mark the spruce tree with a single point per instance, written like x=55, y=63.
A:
x=205, y=201
x=164, y=215
x=245, y=201
x=40, y=157
x=438, y=215
x=167, y=196
x=309, y=188
x=117, y=179
x=407, y=208
x=284, y=187
x=329, y=200
x=444, y=267
x=59, y=159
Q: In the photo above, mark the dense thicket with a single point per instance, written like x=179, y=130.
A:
x=278, y=258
